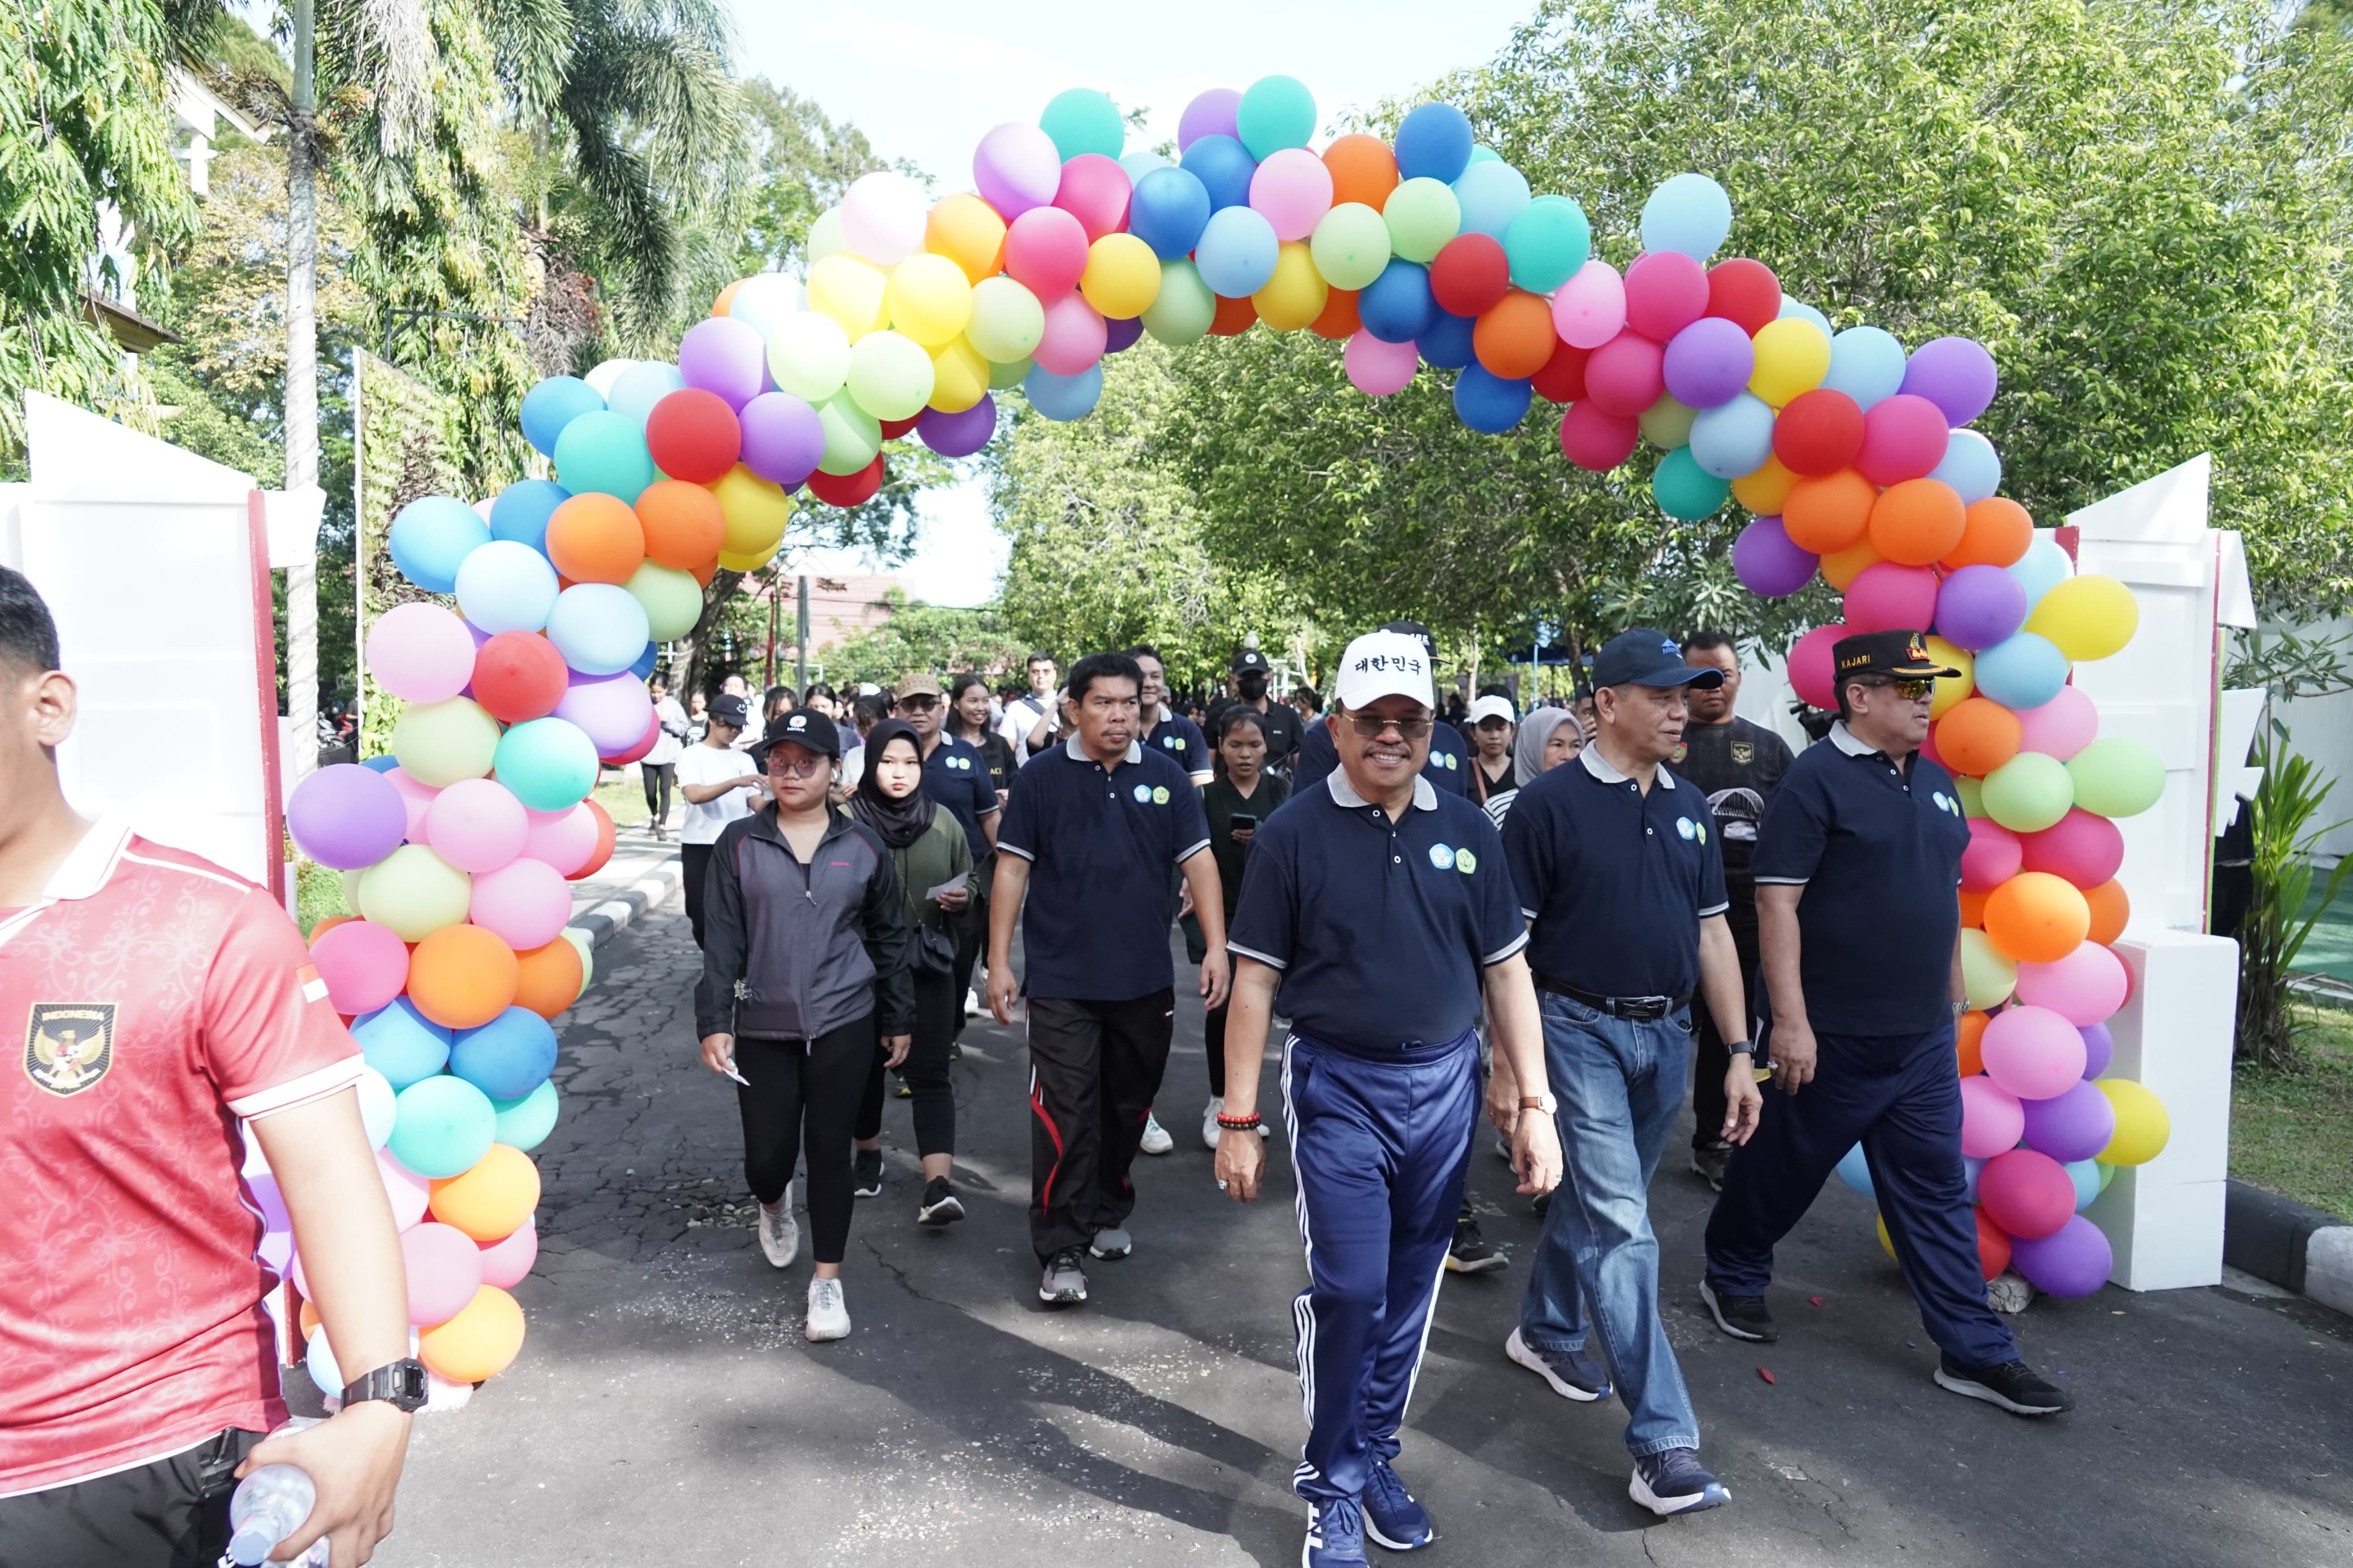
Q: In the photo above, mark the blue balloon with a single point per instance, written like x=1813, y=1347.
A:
x=431, y=536
x=1492, y=194
x=1855, y=1171
x=1488, y=402
x=1433, y=141
x=401, y=1043
x=1063, y=398
x=1970, y=1166
x=1688, y=212
x=522, y=509
x=507, y=1058
x=1397, y=307
x=382, y=765
x=1732, y=438
x=1140, y=162
x=642, y=385
x=1237, y=253
x=2042, y=568
x=2024, y=671
x=1168, y=210
x=647, y=660
x=1224, y=167
x=1447, y=344
x=2085, y=1175
x=1867, y=363
x=1971, y=467
x=554, y=402
x=1792, y=306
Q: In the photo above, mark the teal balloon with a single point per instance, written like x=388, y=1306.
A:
x=2117, y=775
x=1482, y=154
x=606, y=452
x=1082, y=119
x=526, y=1123
x=1546, y=243
x=1855, y=1171
x=442, y=1126
x=554, y=403
x=1867, y=365
x=431, y=537
x=1492, y=194
x=549, y=764
x=2043, y=567
x=1684, y=490
x=1275, y=112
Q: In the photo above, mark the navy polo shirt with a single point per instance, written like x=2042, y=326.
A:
x=1099, y=842
x=1877, y=847
x=1616, y=882
x=1448, y=766
x=1381, y=929
x=955, y=775
x=1180, y=740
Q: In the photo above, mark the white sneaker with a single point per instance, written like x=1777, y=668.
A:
x=780, y=1239
x=828, y=1318
x=1210, y=1114
x=972, y=1002
x=1155, y=1137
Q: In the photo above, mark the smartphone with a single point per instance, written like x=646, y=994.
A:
x=1245, y=820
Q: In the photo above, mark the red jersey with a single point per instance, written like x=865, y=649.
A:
x=155, y=999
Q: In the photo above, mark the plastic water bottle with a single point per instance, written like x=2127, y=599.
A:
x=266, y=1509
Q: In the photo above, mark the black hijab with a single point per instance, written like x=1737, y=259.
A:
x=900, y=822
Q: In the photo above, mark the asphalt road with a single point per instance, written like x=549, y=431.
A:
x=665, y=1408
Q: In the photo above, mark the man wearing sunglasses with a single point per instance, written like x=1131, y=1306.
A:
x=1857, y=863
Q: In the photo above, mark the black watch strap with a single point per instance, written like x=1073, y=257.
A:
x=399, y=1384
x=1740, y=1047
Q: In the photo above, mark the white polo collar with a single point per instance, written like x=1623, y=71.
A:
x=1599, y=767
x=1078, y=753
x=1425, y=797
x=1843, y=739
x=91, y=865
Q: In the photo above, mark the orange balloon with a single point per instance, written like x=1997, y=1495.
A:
x=705, y=573
x=549, y=978
x=1234, y=318
x=462, y=976
x=596, y=538
x=329, y=923
x=683, y=524
x=2111, y=910
x=1363, y=170
x=492, y=1197
x=1827, y=512
x=1969, y=1041
x=308, y=1316
x=1995, y=532
x=1513, y=337
x=1841, y=567
x=1973, y=910
x=726, y=297
x=1977, y=736
x=967, y=231
x=1765, y=491
x=1339, y=321
x=480, y=1342
x=2037, y=918
x=1915, y=523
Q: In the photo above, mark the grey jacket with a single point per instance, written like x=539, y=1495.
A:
x=792, y=951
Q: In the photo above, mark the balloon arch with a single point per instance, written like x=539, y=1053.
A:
x=1854, y=456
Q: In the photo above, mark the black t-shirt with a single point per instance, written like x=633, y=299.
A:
x=1219, y=801
x=998, y=758
x=1738, y=765
x=1280, y=721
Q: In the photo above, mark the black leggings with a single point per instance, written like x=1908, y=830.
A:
x=814, y=1084
x=938, y=1004
x=972, y=937
x=694, y=869
x=658, y=776
x=1213, y=1045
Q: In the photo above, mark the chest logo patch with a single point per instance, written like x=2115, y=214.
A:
x=1160, y=795
x=1943, y=802
x=1679, y=752
x=1441, y=857
x=1465, y=861
x=1144, y=794
x=69, y=1047
x=1451, y=763
x=1684, y=828
x=1744, y=752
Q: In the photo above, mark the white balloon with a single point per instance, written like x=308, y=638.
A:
x=764, y=300
x=602, y=378
x=641, y=386
x=883, y=217
x=320, y=1362
x=377, y=1105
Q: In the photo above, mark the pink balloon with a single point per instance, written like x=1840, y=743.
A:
x=524, y=903
x=415, y=798
x=2033, y=1053
x=2084, y=987
x=1046, y=252
x=2085, y=848
x=1377, y=369
x=1810, y=667
x=444, y=1269
x=2061, y=727
x=2028, y=1194
x=1904, y=437
x=1665, y=292
x=1016, y=167
x=508, y=1259
x=1075, y=336
x=420, y=652
x=365, y=966
x=1590, y=308
x=1292, y=191
x=1991, y=1119
x=563, y=840
x=1626, y=375
x=1992, y=858
x=1095, y=189
x=1885, y=597
x=476, y=825
x=408, y=1191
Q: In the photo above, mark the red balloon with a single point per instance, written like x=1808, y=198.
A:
x=637, y=752
x=1626, y=375
x=1045, y=251
x=854, y=489
x=894, y=428
x=604, y=850
x=1993, y=1246
x=1818, y=433
x=1562, y=380
x=1594, y=439
x=1665, y=292
x=519, y=676
x=1904, y=437
x=1743, y=293
x=1469, y=275
x=693, y=435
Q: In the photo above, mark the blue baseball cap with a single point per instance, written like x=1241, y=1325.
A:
x=1645, y=657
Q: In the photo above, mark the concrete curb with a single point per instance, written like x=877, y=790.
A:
x=604, y=921
x=2289, y=1243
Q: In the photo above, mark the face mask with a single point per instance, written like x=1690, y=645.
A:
x=1252, y=685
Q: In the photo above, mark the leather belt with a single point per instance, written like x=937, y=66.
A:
x=1635, y=1009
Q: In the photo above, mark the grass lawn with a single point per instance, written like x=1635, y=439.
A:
x=622, y=793
x=2292, y=1134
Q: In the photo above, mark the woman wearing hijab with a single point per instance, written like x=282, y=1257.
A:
x=929, y=850
x=1547, y=738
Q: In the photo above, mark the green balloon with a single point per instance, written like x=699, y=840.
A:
x=1988, y=974
x=852, y=435
x=587, y=947
x=1006, y=321
x=549, y=764
x=1083, y=120
x=1422, y=215
x=672, y=598
x=1184, y=309
x=2117, y=776
x=1684, y=490
x=1972, y=794
x=1667, y=425
x=442, y=1126
x=1009, y=374
x=1275, y=112
x=526, y=1123
x=438, y=743
x=1546, y=243
x=2029, y=793
x=605, y=452
x=415, y=892
x=1350, y=246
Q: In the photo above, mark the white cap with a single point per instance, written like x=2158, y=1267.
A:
x=1493, y=707
x=1383, y=664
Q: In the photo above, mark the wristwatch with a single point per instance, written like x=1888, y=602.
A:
x=1740, y=1047
x=400, y=1385
x=1544, y=1103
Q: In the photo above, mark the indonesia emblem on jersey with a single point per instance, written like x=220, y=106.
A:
x=69, y=1047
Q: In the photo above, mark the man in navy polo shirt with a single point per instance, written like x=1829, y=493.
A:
x=1383, y=912
x=1171, y=734
x=1857, y=860
x=1620, y=872
x=1446, y=766
x=1089, y=835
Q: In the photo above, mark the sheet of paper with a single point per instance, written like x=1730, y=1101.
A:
x=950, y=886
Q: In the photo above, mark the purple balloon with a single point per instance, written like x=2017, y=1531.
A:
x=1211, y=113
x=612, y=711
x=2073, y=1260
x=784, y=439
x=1769, y=563
x=1121, y=333
x=2099, y=1049
x=1956, y=374
x=2074, y=1124
x=345, y=817
x=1017, y=167
x=726, y=356
x=959, y=435
x=1979, y=606
x=1708, y=362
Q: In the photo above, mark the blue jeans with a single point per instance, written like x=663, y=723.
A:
x=1621, y=1086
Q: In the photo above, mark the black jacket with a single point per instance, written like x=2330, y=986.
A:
x=791, y=951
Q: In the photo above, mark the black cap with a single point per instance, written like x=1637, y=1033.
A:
x=1414, y=629
x=730, y=712
x=801, y=727
x=1901, y=654
x=1644, y=657
x=1250, y=659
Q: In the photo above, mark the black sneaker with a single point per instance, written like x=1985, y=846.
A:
x=1471, y=1252
x=1708, y=1163
x=866, y=1172
x=1742, y=1317
x=940, y=1204
x=2013, y=1385
x=1064, y=1283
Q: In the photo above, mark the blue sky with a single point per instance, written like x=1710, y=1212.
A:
x=925, y=80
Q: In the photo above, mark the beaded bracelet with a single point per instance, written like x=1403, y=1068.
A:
x=1239, y=1124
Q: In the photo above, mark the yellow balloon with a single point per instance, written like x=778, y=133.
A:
x=2143, y=1126
x=1667, y=424
x=756, y=512
x=1792, y=356
x=740, y=563
x=929, y=298
x=1986, y=975
x=1841, y=567
x=1763, y=491
x=850, y=292
x=1295, y=295
x=2088, y=617
x=959, y=376
x=1887, y=1242
x=1123, y=277
x=967, y=231
x=1950, y=690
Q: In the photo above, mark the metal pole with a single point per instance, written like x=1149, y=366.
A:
x=800, y=647
x=773, y=608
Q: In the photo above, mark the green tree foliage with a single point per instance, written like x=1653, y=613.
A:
x=920, y=637
x=801, y=163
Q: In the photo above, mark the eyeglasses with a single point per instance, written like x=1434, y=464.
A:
x=1371, y=725
x=919, y=704
x=801, y=767
x=1911, y=688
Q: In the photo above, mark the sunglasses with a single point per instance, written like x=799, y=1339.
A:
x=1371, y=726
x=919, y=704
x=800, y=767
x=1911, y=688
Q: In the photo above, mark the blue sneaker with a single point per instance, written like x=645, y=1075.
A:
x=1335, y=1534
x=1672, y=1482
x=1573, y=1374
x=1392, y=1518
